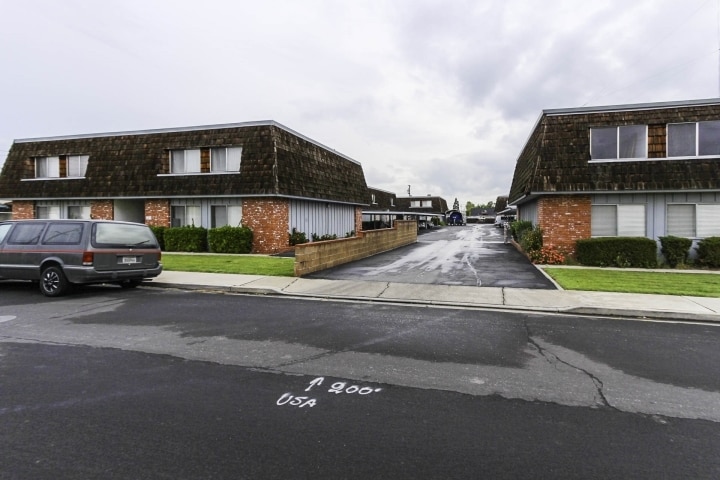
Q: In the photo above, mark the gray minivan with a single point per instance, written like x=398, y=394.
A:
x=58, y=253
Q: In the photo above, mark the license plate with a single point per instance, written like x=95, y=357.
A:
x=128, y=260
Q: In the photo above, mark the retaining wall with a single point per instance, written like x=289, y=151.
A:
x=315, y=256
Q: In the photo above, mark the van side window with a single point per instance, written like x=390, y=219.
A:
x=63, y=234
x=26, y=234
x=4, y=228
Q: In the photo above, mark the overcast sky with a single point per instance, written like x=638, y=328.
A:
x=438, y=95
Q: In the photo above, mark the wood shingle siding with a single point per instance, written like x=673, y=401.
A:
x=556, y=157
x=275, y=162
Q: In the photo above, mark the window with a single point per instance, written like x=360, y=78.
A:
x=26, y=234
x=47, y=212
x=76, y=212
x=47, y=167
x=690, y=221
x=618, y=142
x=183, y=215
x=225, y=159
x=63, y=234
x=693, y=139
x=617, y=221
x=223, y=215
x=77, y=165
x=185, y=161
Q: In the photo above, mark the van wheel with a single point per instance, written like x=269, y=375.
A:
x=53, y=282
x=130, y=283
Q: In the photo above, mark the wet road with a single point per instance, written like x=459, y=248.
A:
x=473, y=255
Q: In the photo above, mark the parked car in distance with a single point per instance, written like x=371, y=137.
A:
x=59, y=253
x=501, y=220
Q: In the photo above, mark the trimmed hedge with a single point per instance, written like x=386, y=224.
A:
x=160, y=235
x=617, y=252
x=186, y=239
x=708, y=252
x=675, y=250
x=229, y=239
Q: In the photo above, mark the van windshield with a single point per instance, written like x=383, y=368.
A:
x=123, y=235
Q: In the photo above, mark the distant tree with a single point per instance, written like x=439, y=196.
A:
x=468, y=208
x=456, y=204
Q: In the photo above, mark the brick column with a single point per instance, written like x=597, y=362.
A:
x=157, y=212
x=102, y=210
x=358, y=221
x=268, y=218
x=564, y=219
x=23, y=210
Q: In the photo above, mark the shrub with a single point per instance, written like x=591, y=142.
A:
x=531, y=240
x=517, y=229
x=617, y=252
x=229, y=239
x=186, y=239
x=320, y=238
x=296, y=238
x=159, y=233
x=708, y=252
x=675, y=250
x=547, y=256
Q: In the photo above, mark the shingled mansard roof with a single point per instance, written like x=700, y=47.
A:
x=276, y=161
x=556, y=157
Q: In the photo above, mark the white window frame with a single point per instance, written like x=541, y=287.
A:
x=628, y=220
x=77, y=165
x=619, y=143
x=185, y=161
x=697, y=140
x=47, y=167
x=231, y=161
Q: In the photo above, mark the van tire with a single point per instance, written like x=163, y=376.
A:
x=53, y=282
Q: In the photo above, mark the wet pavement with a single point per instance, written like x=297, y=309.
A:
x=471, y=255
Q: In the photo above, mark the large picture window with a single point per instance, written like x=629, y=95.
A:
x=225, y=159
x=607, y=143
x=693, y=139
x=617, y=221
x=223, y=215
x=185, y=161
x=184, y=215
x=693, y=221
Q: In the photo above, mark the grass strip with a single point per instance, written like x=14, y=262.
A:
x=663, y=283
x=242, y=264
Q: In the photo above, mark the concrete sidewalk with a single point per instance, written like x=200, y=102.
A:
x=533, y=300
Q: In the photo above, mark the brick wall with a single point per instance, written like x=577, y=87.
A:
x=311, y=257
x=102, y=210
x=23, y=210
x=564, y=219
x=268, y=218
x=157, y=212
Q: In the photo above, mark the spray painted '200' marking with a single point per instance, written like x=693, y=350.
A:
x=289, y=398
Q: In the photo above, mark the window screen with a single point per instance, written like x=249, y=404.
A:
x=603, y=221
x=708, y=220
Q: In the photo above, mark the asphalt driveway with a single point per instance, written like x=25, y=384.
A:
x=474, y=255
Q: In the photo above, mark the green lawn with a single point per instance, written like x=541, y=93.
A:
x=243, y=264
x=670, y=283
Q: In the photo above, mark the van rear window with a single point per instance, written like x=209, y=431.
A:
x=63, y=234
x=122, y=235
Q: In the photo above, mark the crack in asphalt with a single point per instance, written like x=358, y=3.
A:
x=549, y=356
